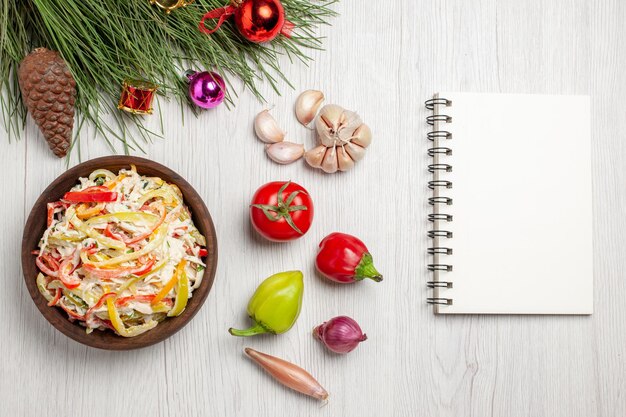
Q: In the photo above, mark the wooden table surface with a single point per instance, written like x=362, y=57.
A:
x=382, y=59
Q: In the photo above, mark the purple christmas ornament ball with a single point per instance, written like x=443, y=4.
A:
x=206, y=89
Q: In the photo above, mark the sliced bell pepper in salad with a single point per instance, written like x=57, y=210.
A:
x=135, y=217
x=48, y=265
x=93, y=233
x=119, y=326
x=146, y=298
x=182, y=295
x=66, y=275
x=98, y=304
x=156, y=240
x=56, y=298
x=52, y=209
x=170, y=284
x=124, y=266
x=41, y=286
x=97, y=194
x=134, y=279
x=83, y=211
x=73, y=314
x=108, y=274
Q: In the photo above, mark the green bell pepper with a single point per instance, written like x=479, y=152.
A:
x=275, y=305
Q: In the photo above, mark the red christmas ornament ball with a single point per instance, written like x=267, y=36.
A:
x=260, y=20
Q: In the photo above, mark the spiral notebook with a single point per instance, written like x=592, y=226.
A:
x=511, y=208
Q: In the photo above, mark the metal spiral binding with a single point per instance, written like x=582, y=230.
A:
x=437, y=201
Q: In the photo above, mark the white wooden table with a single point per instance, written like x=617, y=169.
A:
x=382, y=59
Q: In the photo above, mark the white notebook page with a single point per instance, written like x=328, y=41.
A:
x=522, y=208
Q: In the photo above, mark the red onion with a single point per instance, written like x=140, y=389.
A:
x=340, y=334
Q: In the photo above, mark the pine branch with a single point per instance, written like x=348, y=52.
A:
x=107, y=41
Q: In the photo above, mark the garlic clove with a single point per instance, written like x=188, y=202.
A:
x=307, y=105
x=349, y=124
x=284, y=152
x=355, y=151
x=362, y=136
x=329, y=163
x=315, y=156
x=327, y=122
x=267, y=129
x=344, y=162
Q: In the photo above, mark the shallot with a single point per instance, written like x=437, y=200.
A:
x=288, y=374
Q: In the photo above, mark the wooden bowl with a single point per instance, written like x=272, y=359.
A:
x=36, y=225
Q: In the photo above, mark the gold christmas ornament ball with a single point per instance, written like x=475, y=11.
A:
x=169, y=5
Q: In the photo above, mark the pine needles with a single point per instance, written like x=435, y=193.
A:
x=107, y=41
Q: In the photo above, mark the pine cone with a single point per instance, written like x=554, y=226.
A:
x=49, y=92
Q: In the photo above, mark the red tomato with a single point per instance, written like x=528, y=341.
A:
x=281, y=211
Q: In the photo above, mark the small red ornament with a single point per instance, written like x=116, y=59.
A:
x=137, y=96
x=257, y=20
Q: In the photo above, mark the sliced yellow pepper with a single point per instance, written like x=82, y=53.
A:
x=160, y=308
x=119, y=326
x=85, y=212
x=182, y=295
x=170, y=284
x=60, y=238
x=132, y=280
x=100, y=238
x=78, y=297
x=140, y=217
x=41, y=286
x=105, y=173
x=112, y=184
x=164, y=192
x=156, y=240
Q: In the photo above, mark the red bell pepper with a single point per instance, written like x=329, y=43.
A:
x=91, y=248
x=56, y=298
x=108, y=232
x=146, y=235
x=66, y=271
x=105, y=323
x=139, y=298
x=71, y=313
x=51, y=210
x=96, y=194
x=48, y=265
x=345, y=259
x=119, y=272
x=203, y=252
x=98, y=304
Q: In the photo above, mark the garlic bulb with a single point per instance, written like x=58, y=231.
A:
x=284, y=152
x=307, y=105
x=335, y=125
x=267, y=129
x=343, y=138
x=315, y=156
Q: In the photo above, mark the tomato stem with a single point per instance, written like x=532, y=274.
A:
x=283, y=209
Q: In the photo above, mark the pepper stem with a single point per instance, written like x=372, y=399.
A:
x=366, y=269
x=252, y=331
